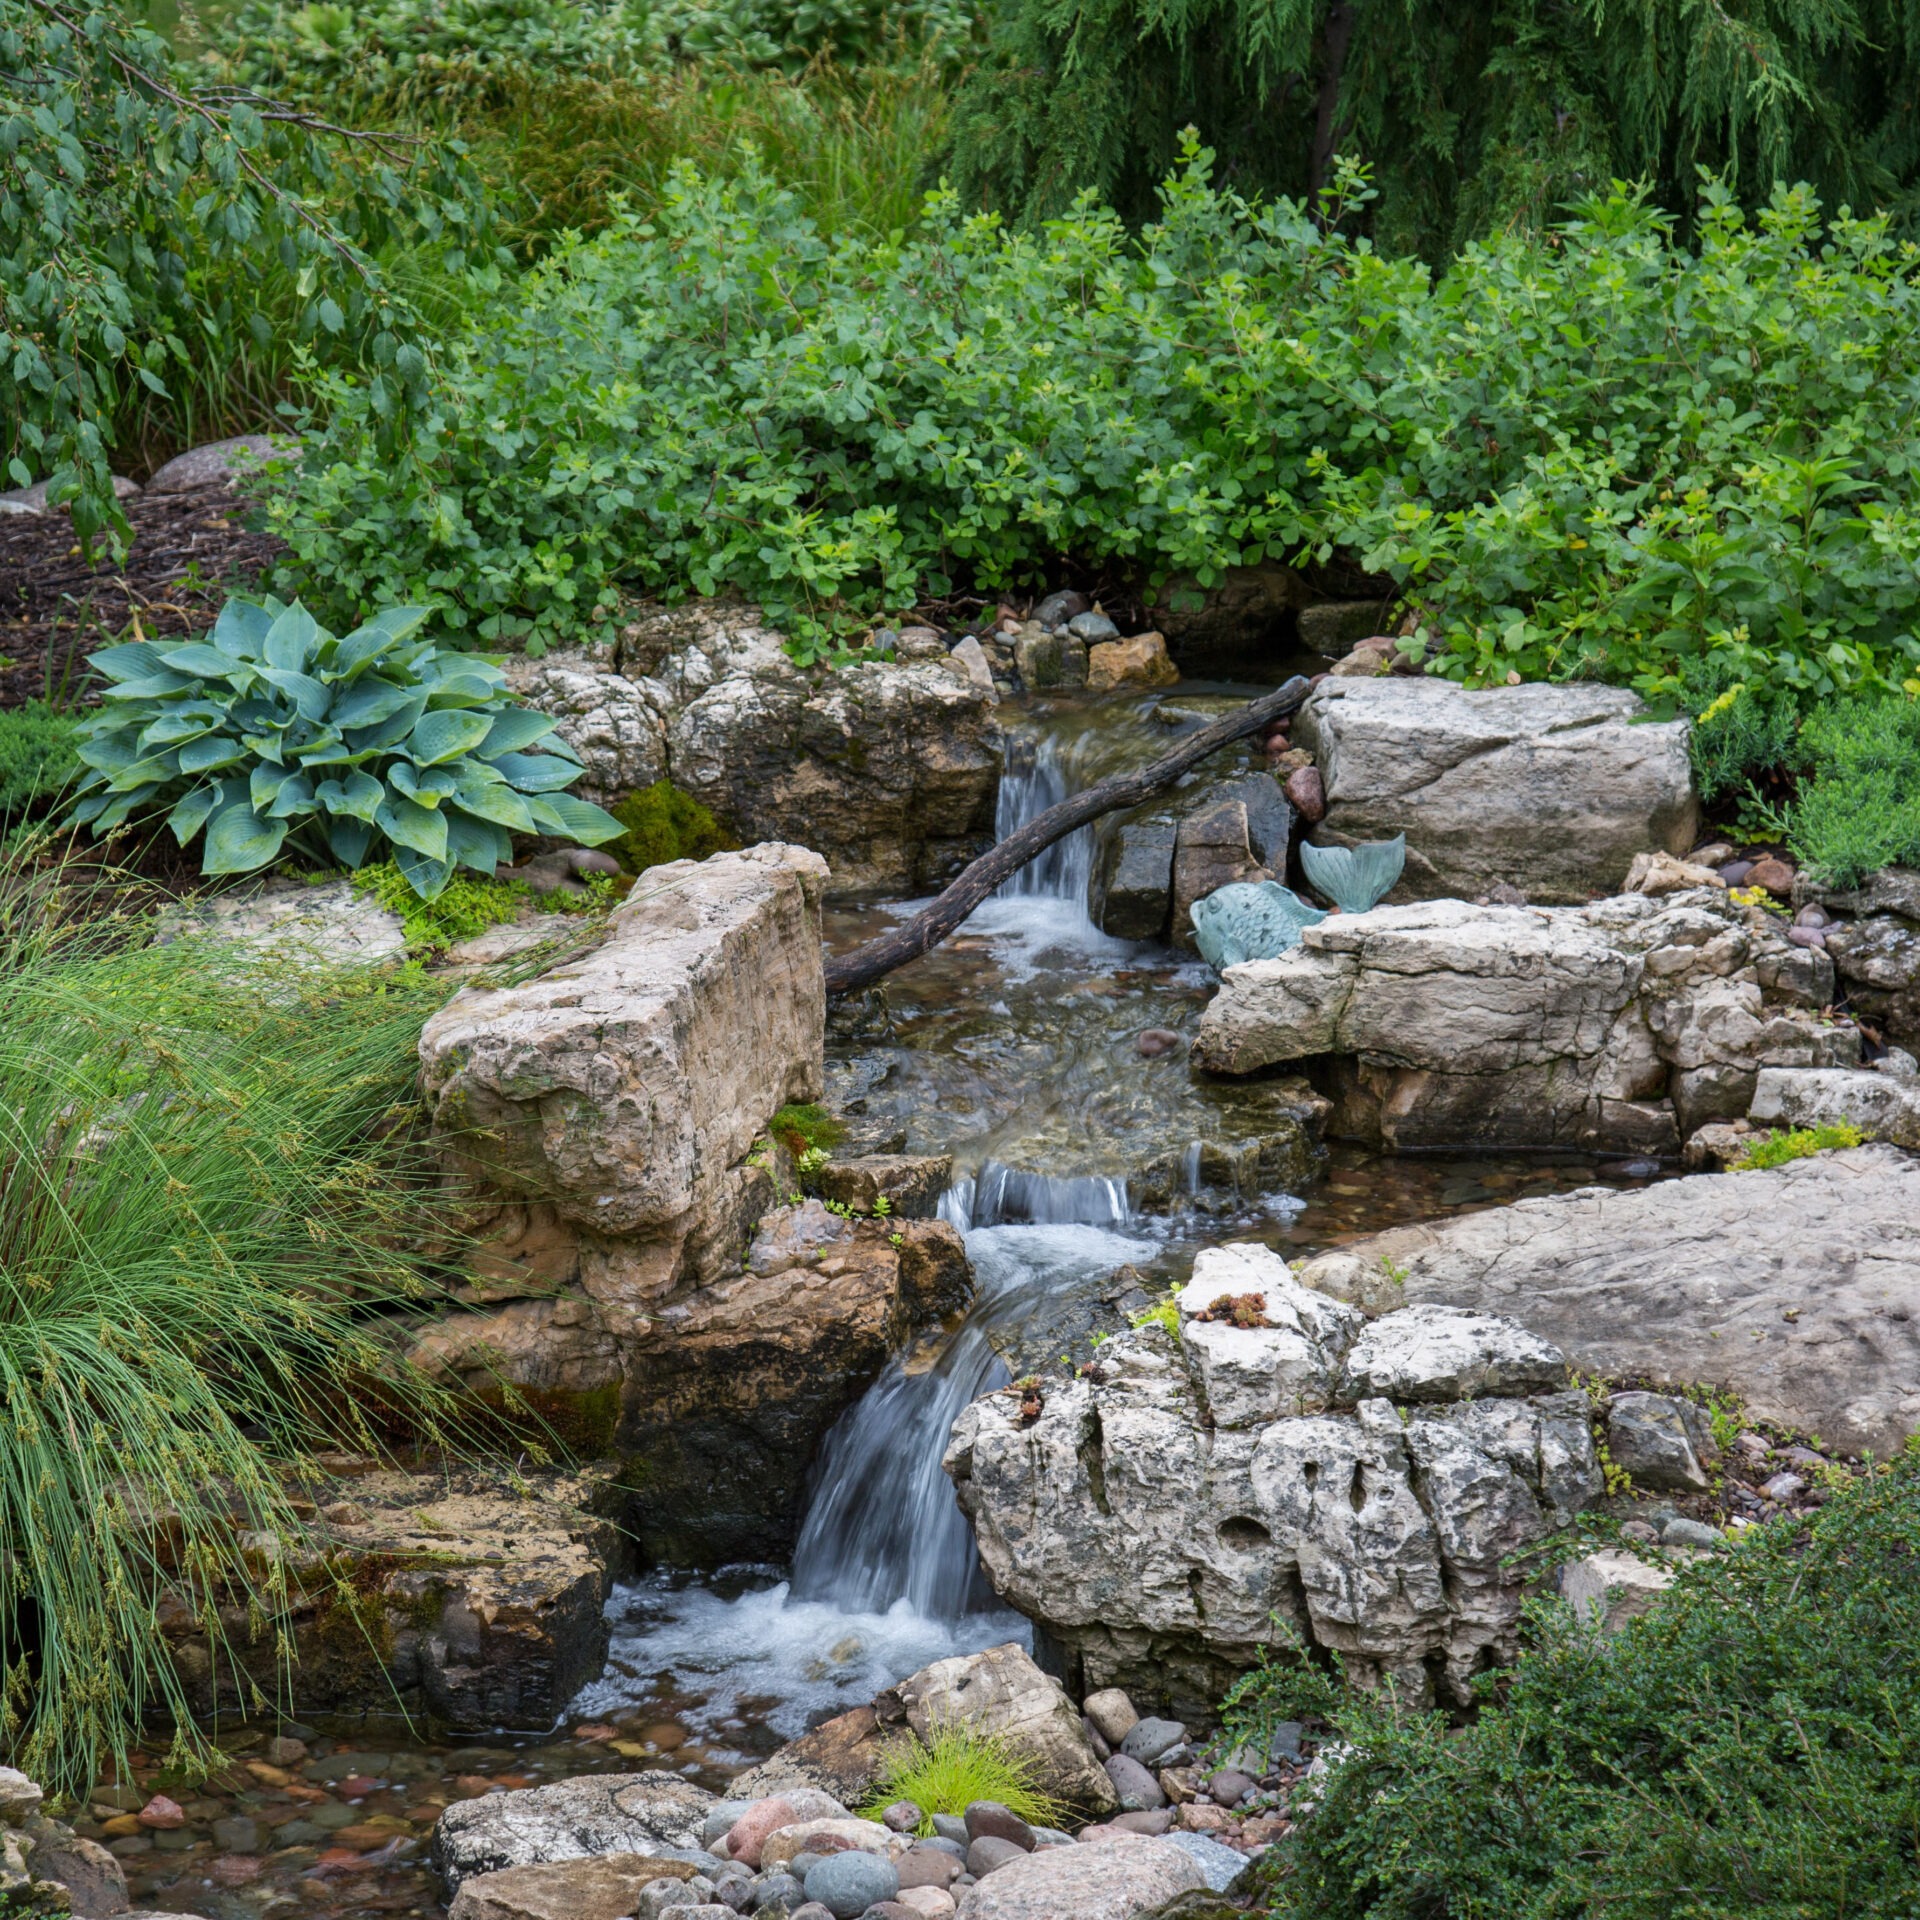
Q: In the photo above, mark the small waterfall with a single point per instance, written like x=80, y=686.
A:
x=999, y=1195
x=1035, y=778
x=884, y=1525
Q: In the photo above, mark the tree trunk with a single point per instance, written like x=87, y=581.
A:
x=1335, y=38
x=865, y=965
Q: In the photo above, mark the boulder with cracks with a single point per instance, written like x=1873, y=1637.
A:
x=1279, y=1458
x=1621, y=1026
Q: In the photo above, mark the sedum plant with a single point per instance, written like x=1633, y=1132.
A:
x=273, y=735
x=1354, y=878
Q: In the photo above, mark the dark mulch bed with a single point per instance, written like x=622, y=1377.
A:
x=189, y=550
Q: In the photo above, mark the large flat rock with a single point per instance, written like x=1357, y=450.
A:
x=1623, y=1025
x=1121, y=1878
x=1798, y=1287
x=656, y=1814
x=1551, y=789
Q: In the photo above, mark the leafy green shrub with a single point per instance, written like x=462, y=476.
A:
x=202, y=1205
x=139, y=215
x=335, y=46
x=272, y=733
x=1748, y=1750
x=37, y=757
x=663, y=824
x=953, y=1767
x=1777, y=1148
x=1599, y=455
x=1858, y=809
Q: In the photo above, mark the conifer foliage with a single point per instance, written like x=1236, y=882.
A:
x=1471, y=118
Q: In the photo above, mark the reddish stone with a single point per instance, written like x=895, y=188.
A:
x=162, y=1812
x=1307, y=794
x=595, y=1730
x=1773, y=874
x=236, y=1869
x=356, y=1786
x=749, y=1833
x=470, y=1786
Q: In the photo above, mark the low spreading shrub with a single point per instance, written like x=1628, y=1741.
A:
x=951, y=1767
x=273, y=734
x=1858, y=805
x=203, y=1203
x=37, y=758
x=1593, y=454
x=1748, y=1750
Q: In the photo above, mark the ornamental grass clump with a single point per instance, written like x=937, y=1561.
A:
x=274, y=735
x=950, y=1767
x=205, y=1206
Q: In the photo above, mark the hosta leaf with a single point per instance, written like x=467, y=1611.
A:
x=476, y=844
x=311, y=697
x=462, y=691
x=358, y=795
x=187, y=721
x=243, y=626
x=295, y=799
x=190, y=814
x=516, y=728
x=408, y=824
x=496, y=801
x=120, y=807
x=372, y=699
x=205, y=663
x=134, y=661
x=210, y=751
x=576, y=819
x=350, y=841
x=426, y=877
x=428, y=785
x=292, y=639
x=156, y=686
x=238, y=841
x=392, y=730
x=536, y=772
x=440, y=737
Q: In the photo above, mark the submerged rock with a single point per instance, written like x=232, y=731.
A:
x=1552, y=789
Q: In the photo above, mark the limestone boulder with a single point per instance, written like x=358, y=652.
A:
x=1619, y=1026
x=477, y=1604
x=1002, y=1694
x=716, y=1402
x=592, y=1888
x=1447, y=1353
x=655, y=1816
x=890, y=769
x=1122, y=1877
x=1612, y=1587
x=626, y=1087
x=1157, y=1536
x=1878, y=961
x=1796, y=1287
x=1138, y=661
x=1550, y=789
x=1879, y=1104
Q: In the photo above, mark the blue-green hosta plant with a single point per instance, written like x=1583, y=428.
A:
x=1354, y=878
x=273, y=736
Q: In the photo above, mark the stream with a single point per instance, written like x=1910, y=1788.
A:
x=1090, y=1164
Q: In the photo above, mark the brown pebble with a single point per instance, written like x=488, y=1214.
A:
x=1774, y=874
x=1155, y=1041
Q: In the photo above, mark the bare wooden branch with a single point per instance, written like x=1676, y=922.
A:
x=865, y=965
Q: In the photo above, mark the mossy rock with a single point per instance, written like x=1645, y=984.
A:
x=664, y=824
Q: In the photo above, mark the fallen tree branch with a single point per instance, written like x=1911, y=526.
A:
x=864, y=965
